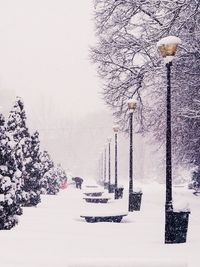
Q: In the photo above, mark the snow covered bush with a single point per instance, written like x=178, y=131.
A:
x=196, y=178
x=46, y=165
x=33, y=175
x=53, y=180
x=26, y=150
x=62, y=176
x=9, y=206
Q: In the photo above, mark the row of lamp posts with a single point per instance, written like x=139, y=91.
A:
x=176, y=222
x=134, y=197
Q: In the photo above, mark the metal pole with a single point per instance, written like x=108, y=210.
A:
x=105, y=171
x=131, y=155
x=168, y=203
x=109, y=172
x=102, y=169
x=115, y=160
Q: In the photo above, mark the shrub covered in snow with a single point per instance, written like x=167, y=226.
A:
x=53, y=180
x=196, y=178
x=46, y=165
x=26, y=150
x=8, y=198
x=32, y=171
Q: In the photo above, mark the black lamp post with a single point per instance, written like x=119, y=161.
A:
x=109, y=165
x=102, y=169
x=176, y=223
x=134, y=198
x=168, y=50
x=116, y=129
x=105, y=169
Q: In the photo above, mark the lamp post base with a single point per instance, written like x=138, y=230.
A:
x=111, y=188
x=119, y=192
x=176, y=225
x=135, y=199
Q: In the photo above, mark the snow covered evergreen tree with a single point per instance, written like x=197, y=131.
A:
x=62, y=176
x=196, y=178
x=53, y=181
x=9, y=205
x=46, y=165
x=32, y=172
x=17, y=128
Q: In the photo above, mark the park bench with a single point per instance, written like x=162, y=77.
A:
x=94, y=199
x=93, y=218
x=94, y=194
x=92, y=186
x=196, y=192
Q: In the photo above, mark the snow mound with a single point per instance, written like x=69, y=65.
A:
x=169, y=40
x=181, y=205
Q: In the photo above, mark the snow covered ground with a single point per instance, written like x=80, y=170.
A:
x=53, y=234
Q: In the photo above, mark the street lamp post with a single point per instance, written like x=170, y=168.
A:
x=176, y=223
x=102, y=169
x=109, y=165
x=132, y=106
x=105, y=169
x=134, y=198
x=116, y=129
x=167, y=47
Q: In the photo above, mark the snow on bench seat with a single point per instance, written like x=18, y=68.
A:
x=103, y=214
x=94, y=194
x=104, y=218
x=96, y=199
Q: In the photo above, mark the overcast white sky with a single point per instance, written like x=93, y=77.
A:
x=44, y=50
x=44, y=55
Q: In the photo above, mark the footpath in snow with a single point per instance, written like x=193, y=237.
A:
x=53, y=234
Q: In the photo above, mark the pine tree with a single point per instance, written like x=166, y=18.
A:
x=32, y=172
x=55, y=177
x=62, y=177
x=9, y=205
x=46, y=165
x=53, y=183
x=17, y=128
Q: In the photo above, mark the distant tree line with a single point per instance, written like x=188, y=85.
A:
x=26, y=172
x=129, y=65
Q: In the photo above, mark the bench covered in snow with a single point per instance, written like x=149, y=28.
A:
x=94, y=194
x=111, y=218
x=196, y=193
x=92, y=186
x=99, y=216
x=94, y=199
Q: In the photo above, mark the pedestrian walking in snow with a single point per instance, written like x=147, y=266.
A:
x=78, y=181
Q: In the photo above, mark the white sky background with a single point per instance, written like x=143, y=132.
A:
x=44, y=58
x=44, y=54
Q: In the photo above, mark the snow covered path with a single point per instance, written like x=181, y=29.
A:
x=53, y=233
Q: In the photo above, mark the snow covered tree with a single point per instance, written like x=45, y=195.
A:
x=55, y=177
x=9, y=205
x=46, y=165
x=17, y=128
x=32, y=172
x=53, y=181
x=62, y=176
x=129, y=64
x=196, y=178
